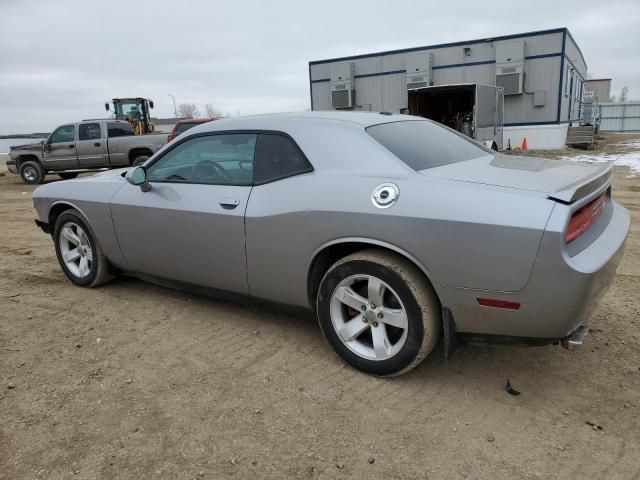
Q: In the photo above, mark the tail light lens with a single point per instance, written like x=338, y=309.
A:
x=582, y=219
x=170, y=137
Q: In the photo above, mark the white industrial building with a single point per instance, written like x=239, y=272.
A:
x=541, y=75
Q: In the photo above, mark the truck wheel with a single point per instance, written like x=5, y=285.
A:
x=79, y=254
x=68, y=175
x=139, y=160
x=379, y=312
x=31, y=172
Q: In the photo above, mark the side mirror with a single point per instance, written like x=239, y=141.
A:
x=151, y=103
x=46, y=147
x=106, y=106
x=138, y=176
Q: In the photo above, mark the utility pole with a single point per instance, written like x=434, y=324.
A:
x=175, y=111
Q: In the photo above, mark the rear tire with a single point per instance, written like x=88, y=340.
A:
x=139, y=160
x=32, y=172
x=78, y=253
x=379, y=312
x=68, y=175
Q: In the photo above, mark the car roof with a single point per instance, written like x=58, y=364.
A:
x=277, y=121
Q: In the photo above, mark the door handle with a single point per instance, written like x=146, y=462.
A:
x=97, y=144
x=71, y=146
x=229, y=203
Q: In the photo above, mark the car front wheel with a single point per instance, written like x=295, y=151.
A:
x=31, y=172
x=80, y=256
x=379, y=312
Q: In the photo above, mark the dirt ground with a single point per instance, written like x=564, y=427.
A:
x=136, y=381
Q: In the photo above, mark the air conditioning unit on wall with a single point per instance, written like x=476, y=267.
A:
x=510, y=66
x=419, y=70
x=343, y=87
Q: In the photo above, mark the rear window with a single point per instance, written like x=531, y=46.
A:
x=422, y=144
x=183, y=127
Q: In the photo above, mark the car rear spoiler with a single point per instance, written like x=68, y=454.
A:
x=585, y=186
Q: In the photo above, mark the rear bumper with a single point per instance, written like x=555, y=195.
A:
x=561, y=294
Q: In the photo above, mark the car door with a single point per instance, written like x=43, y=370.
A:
x=190, y=225
x=278, y=225
x=91, y=146
x=60, y=149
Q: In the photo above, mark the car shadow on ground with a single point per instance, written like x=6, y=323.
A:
x=472, y=370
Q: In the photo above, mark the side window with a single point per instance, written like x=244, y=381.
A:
x=66, y=133
x=89, y=131
x=277, y=156
x=225, y=159
x=119, y=129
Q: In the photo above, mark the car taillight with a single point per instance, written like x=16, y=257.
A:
x=585, y=217
x=170, y=137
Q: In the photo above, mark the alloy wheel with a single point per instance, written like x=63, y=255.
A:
x=76, y=250
x=369, y=317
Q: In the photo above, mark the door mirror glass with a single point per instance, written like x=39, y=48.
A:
x=106, y=106
x=46, y=147
x=151, y=103
x=138, y=176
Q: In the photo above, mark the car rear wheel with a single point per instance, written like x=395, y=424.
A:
x=379, y=312
x=80, y=257
x=31, y=172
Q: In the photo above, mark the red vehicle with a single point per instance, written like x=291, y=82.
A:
x=184, y=125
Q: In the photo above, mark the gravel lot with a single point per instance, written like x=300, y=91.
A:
x=136, y=381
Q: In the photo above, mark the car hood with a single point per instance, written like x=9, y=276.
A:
x=116, y=175
x=559, y=179
x=29, y=146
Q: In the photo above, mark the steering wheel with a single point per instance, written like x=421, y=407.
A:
x=204, y=168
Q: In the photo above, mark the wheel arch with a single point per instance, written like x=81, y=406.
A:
x=29, y=157
x=139, y=151
x=58, y=208
x=329, y=253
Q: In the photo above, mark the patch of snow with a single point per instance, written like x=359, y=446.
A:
x=629, y=159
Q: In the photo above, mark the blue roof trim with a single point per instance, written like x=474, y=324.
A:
x=564, y=41
x=439, y=67
x=444, y=45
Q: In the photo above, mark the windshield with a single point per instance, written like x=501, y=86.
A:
x=128, y=109
x=423, y=144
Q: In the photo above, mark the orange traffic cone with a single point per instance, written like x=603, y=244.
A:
x=524, y=145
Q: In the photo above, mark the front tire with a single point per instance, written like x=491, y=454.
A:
x=32, y=172
x=80, y=256
x=379, y=312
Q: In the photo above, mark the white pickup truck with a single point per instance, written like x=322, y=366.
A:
x=83, y=146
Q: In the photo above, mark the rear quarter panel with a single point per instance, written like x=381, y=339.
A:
x=461, y=235
x=119, y=147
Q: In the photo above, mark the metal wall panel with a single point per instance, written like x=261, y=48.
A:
x=454, y=64
x=620, y=117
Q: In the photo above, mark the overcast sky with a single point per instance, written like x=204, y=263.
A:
x=61, y=60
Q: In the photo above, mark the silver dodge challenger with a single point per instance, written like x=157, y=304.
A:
x=397, y=232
